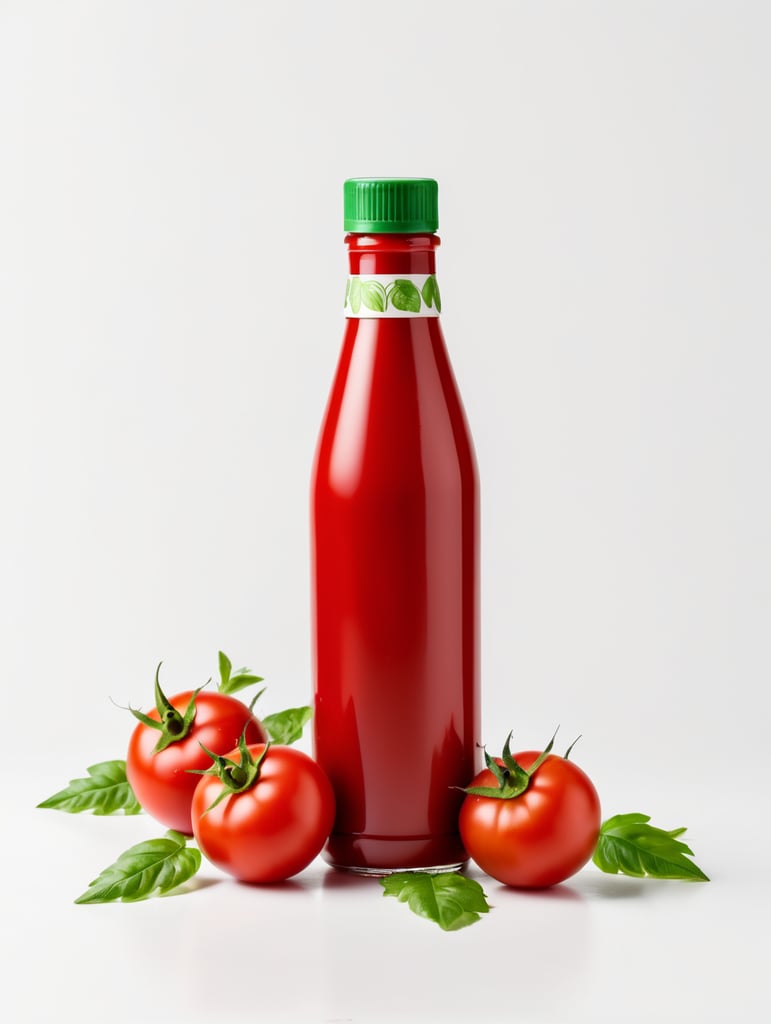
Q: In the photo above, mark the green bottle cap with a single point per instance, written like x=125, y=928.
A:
x=390, y=205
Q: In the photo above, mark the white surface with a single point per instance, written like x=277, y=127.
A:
x=329, y=947
x=171, y=283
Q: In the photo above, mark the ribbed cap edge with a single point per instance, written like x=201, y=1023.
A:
x=390, y=205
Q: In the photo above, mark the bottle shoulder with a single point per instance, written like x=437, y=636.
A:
x=394, y=416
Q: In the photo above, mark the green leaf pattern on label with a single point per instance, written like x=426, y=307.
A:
x=373, y=295
x=404, y=295
x=392, y=297
x=354, y=294
x=430, y=293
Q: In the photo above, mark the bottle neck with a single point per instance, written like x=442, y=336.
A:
x=392, y=254
x=392, y=276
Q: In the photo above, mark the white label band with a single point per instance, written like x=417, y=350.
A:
x=378, y=296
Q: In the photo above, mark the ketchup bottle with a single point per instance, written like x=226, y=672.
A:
x=395, y=552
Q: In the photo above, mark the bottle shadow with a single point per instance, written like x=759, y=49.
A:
x=335, y=878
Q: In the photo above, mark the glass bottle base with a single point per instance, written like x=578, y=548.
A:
x=378, y=856
x=436, y=869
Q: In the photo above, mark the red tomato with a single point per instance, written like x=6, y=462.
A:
x=273, y=829
x=161, y=780
x=540, y=837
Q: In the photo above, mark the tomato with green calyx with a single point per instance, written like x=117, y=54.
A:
x=166, y=745
x=263, y=817
x=530, y=820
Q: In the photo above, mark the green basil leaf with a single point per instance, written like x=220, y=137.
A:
x=405, y=296
x=240, y=680
x=226, y=667
x=105, y=791
x=453, y=901
x=287, y=726
x=630, y=846
x=373, y=295
x=232, y=682
x=155, y=866
x=354, y=295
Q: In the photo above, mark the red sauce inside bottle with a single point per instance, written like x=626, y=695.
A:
x=395, y=539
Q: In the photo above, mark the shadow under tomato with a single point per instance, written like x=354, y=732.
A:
x=621, y=887
x=287, y=886
x=553, y=893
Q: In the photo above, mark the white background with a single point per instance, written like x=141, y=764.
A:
x=171, y=283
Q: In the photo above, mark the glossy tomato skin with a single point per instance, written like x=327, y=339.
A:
x=274, y=829
x=161, y=780
x=539, y=838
